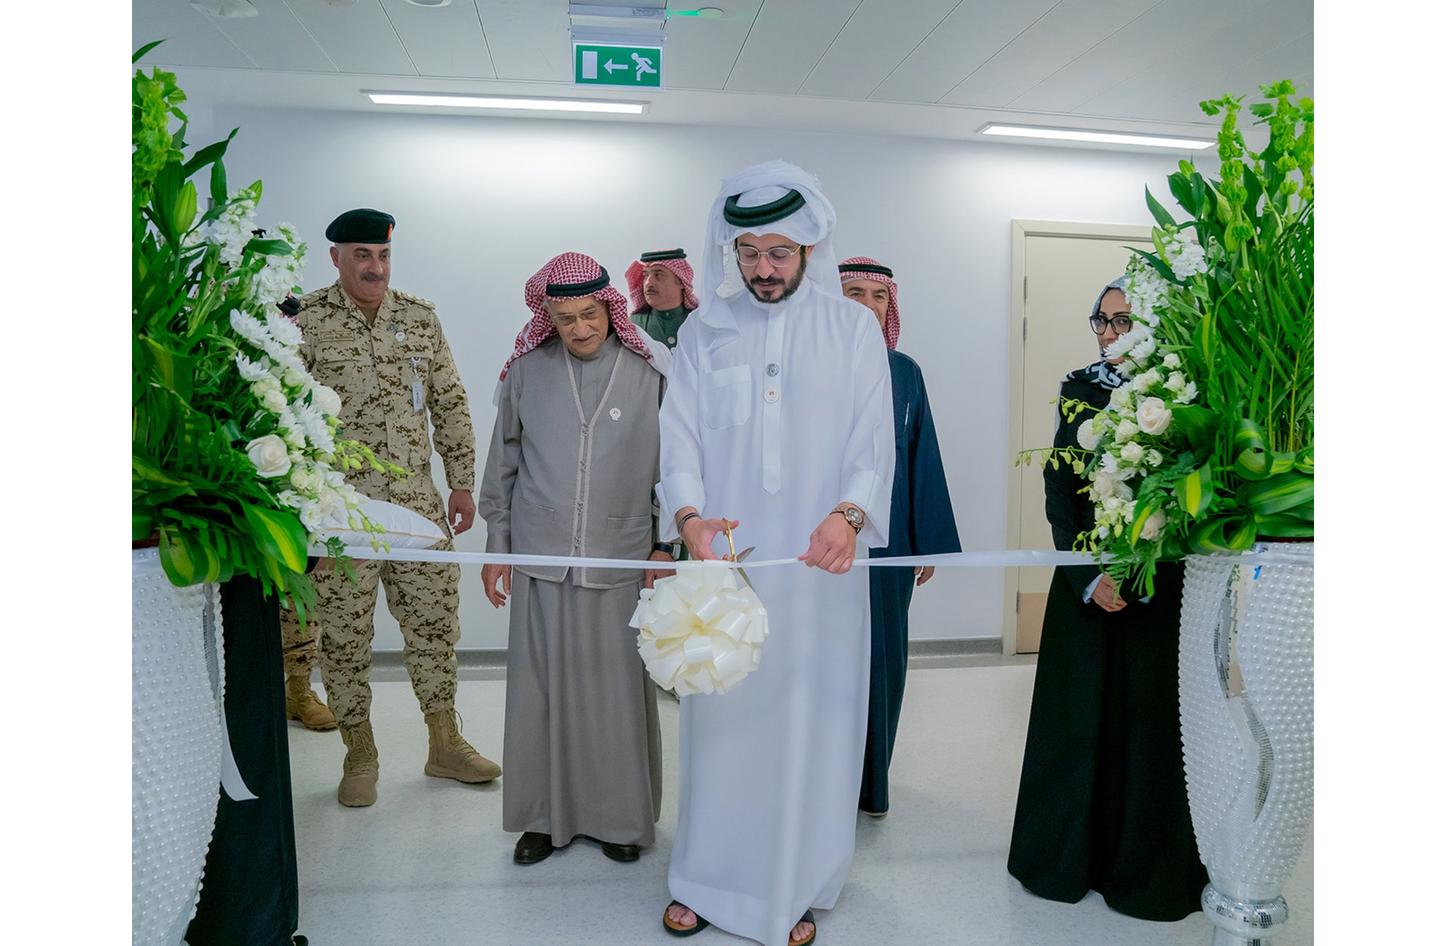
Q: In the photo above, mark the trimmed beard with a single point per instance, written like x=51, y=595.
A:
x=789, y=288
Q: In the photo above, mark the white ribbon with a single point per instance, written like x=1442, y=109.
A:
x=1006, y=558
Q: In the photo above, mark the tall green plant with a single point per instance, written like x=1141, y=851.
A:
x=1210, y=445
x=235, y=464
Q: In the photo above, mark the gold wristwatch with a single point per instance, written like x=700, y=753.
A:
x=853, y=514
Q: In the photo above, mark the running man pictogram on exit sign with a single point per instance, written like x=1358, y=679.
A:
x=628, y=66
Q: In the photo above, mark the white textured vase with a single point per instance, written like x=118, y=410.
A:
x=1247, y=683
x=177, y=679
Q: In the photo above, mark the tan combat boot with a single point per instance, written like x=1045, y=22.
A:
x=358, y=787
x=450, y=756
x=304, y=705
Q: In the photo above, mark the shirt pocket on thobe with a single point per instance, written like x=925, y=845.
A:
x=727, y=397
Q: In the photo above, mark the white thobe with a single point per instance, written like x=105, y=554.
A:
x=773, y=415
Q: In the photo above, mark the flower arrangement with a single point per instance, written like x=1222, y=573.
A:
x=236, y=463
x=1209, y=446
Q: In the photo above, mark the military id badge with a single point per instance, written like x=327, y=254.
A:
x=418, y=395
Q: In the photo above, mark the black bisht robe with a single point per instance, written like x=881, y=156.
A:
x=1102, y=802
x=249, y=890
x=921, y=522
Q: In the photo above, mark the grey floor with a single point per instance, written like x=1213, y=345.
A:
x=429, y=863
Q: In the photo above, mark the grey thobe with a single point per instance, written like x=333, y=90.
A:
x=570, y=472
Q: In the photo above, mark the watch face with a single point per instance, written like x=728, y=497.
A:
x=854, y=516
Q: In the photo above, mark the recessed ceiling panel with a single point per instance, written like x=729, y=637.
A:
x=700, y=52
x=1063, y=34
x=443, y=41
x=959, y=45
x=358, y=38
x=529, y=39
x=878, y=37
x=786, y=41
x=191, y=38
x=1144, y=48
x=1210, y=69
x=276, y=39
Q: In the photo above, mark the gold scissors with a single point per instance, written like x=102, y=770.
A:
x=735, y=556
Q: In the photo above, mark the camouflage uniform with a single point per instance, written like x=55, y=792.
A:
x=376, y=369
x=298, y=647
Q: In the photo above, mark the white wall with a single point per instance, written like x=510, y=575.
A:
x=481, y=203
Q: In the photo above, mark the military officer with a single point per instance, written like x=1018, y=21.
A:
x=661, y=285
x=384, y=352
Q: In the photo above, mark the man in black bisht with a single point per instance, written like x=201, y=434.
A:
x=1102, y=803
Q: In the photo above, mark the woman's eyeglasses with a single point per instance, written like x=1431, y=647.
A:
x=1120, y=323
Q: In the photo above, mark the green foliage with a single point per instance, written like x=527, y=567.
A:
x=193, y=487
x=1244, y=330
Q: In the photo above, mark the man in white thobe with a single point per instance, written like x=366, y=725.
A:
x=778, y=418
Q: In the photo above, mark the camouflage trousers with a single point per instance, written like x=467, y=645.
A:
x=298, y=647
x=422, y=596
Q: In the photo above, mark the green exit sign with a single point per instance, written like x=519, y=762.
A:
x=630, y=66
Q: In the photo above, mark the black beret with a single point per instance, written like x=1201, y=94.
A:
x=363, y=225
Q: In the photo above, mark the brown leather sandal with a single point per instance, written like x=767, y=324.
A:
x=698, y=926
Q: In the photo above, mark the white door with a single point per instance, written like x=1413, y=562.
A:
x=1058, y=271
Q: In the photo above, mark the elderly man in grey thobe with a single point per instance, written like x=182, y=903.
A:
x=570, y=472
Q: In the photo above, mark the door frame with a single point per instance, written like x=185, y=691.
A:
x=1020, y=231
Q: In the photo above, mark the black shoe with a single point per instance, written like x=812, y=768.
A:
x=532, y=847
x=626, y=853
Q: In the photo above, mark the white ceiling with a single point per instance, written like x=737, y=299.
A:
x=936, y=68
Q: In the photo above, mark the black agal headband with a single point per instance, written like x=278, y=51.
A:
x=866, y=268
x=568, y=290
x=751, y=217
x=657, y=256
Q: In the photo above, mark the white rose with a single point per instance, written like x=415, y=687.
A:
x=1089, y=437
x=268, y=455
x=1172, y=360
x=1175, y=383
x=1148, y=380
x=293, y=377
x=263, y=386
x=307, y=481
x=1125, y=430
x=1132, y=452
x=274, y=401
x=1120, y=397
x=1153, y=416
x=1104, y=483
x=1151, y=529
x=326, y=400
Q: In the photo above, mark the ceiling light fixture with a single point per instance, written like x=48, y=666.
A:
x=448, y=100
x=430, y=3
x=225, y=9
x=1100, y=137
x=706, y=13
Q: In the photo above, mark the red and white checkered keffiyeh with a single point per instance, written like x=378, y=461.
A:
x=679, y=267
x=570, y=269
x=891, y=315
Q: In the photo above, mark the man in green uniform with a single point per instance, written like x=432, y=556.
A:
x=384, y=352
x=661, y=285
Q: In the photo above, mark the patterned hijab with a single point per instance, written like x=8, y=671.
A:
x=673, y=260
x=1101, y=373
x=861, y=267
x=570, y=276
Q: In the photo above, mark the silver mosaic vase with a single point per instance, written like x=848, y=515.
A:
x=1247, y=635
x=177, y=679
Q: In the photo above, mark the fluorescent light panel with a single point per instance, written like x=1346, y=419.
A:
x=1102, y=137
x=496, y=101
